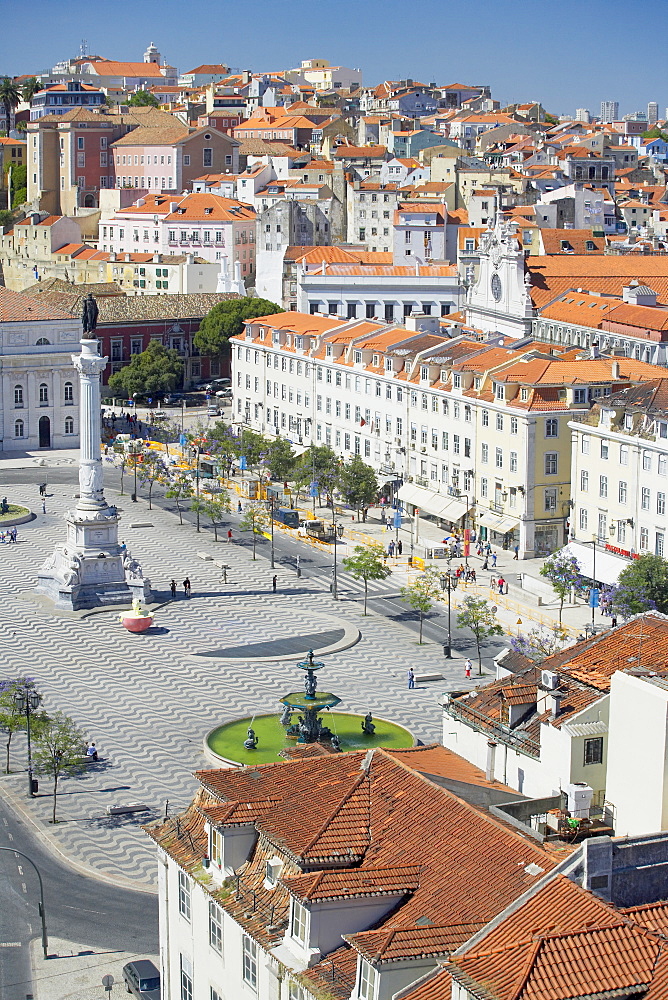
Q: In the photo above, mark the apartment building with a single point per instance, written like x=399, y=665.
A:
x=172, y=157
x=208, y=225
x=620, y=479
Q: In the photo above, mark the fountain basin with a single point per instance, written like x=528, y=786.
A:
x=302, y=703
x=136, y=623
x=225, y=743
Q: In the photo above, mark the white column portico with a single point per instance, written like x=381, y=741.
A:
x=91, y=569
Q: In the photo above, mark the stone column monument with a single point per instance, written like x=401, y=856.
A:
x=91, y=569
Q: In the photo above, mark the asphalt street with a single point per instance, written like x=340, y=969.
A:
x=78, y=908
x=315, y=564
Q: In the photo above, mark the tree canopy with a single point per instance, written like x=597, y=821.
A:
x=422, y=593
x=563, y=572
x=280, y=459
x=359, y=484
x=367, y=563
x=655, y=133
x=143, y=99
x=154, y=372
x=318, y=463
x=10, y=96
x=476, y=615
x=642, y=586
x=31, y=87
x=226, y=320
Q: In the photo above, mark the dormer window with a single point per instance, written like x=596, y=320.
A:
x=456, y=381
x=357, y=357
x=388, y=364
x=499, y=391
x=299, y=343
x=216, y=847
x=424, y=372
x=367, y=980
x=477, y=382
x=329, y=351
x=376, y=360
x=524, y=395
x=299, y=922
x=275, y=337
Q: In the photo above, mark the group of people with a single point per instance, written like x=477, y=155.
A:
x=465, y=574
x=499, y=585
x=186, y=588
x=395, y=547
x=9, y=536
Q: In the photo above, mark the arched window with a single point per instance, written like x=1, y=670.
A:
x=69, y=425
x=18, y=395
x=42, y=341
x=69, y=392
x=18, y=429
x=43, y=393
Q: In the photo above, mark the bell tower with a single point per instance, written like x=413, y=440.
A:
x=152, y=55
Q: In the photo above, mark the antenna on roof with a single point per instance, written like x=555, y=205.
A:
x=83, y=48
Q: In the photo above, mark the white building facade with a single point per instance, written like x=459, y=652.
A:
x=38, y=384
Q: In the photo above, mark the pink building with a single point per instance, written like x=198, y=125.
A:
x=170, y=157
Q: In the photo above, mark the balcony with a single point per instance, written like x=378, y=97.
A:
x=476, y=720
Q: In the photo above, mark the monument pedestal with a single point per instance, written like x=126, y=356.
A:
x=91, y=569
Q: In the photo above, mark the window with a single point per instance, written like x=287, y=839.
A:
x=551, y=463
x=18, y=428
x=644, y=498
x=603, y=486
x=584, y=481
x=513, y=425
x=623, y=492
x=249, y=952
x=658, y=546
x=583, y=518
x=661, y=503
x=184, y=895
x=18, y=395
x=485, y=418
x=584, y=444
x=68, y=392
x=551, y=499
x=605, y=450
x=624, y=455
x=498, y=458
x=593, y=750
x=43, y=394
x=644, y=539
x=551, y=428
x=663, y=465
x=216, y=927
x=647, y=461
x=69, y=425
x=186, y=160
x=484, y=453
x=366, y=986
x=513, y=461
x=42, y=341
x=207, y=157
x=499, y=421
x=299, y=926
x=186, y=979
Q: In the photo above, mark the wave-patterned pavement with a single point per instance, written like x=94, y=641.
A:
x=147, y=701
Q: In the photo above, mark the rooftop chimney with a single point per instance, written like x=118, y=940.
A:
x=615, y=369
x=594, y=351
x=555, y=706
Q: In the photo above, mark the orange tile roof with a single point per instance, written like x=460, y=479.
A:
x=109, y=67
x=395, y=270
x=16, y=308
x=552, y=276
x=356, y=152
x=295, y=322
x=48, y=221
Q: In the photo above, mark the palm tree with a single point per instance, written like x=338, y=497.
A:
x=31, y=87
x=10, y=96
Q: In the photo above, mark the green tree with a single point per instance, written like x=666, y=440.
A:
x=10, y=97
x=154, y=372
x=120, y=460
x=226, y=320
x=143, y=99
x=642, y=586
x=367, y=563
x=563, y=572
x=280, y=459
x=477, y=615
x=6, y=218
x=655, y=133
x=11, y=720
x=214, y=507
x=151, y=470
x=539, y=643
x=59, y=749
x=31, y=87
x=180, y=489
x=224, y=445
x=422, y=594
x=253, y=447
x=359, y=485
x=256, y=520
x=320, y=463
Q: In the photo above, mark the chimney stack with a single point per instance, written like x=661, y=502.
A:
x=555, y=707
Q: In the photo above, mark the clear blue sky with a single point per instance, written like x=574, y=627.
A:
x=573, y=53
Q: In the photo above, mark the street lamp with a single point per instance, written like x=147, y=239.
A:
x=271, y=502
x=449, y=583
x=335, y=526
x=25, y=699
x=135, y=447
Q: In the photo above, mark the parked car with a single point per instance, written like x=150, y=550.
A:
x=219, y=383
x=142, y=979
x=173, y=399
x=224, y=394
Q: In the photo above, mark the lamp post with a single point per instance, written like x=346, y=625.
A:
x=42, y=911
x=335, y=592
x=449, y=583
x=25, y=699
x=594, y=588
x=271, y=517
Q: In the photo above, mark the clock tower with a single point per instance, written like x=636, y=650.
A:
x=500, y=300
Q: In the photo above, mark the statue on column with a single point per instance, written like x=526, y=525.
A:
x=89, y=314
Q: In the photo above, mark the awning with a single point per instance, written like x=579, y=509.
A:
x=496, y=522
x=437, y=504
x=608, y=566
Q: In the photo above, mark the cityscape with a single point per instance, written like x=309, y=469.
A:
x=332, y=667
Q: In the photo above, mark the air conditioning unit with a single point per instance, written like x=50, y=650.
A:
x=549, y=680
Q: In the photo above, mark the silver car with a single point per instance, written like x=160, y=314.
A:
x=142, y=979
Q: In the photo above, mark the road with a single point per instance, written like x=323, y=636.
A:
x=315, y=564
x=78, y=909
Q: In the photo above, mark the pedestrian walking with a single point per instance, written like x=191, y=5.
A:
x=239, y=508
x=517, y=552
x=273, y=583
x=493, y=559
x=400, y=546
x=229, y=535
x=411, y=678
x=488, y=549
x=473, y=576
x=43, y=506
x=15, y=535
x=467, y=667
x=485, y=563
x=186, y=587
x=501, y=584
x=390, y=550
x=172, y=587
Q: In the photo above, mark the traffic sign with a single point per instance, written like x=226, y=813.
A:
x=108, y=982
x=243, y=465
